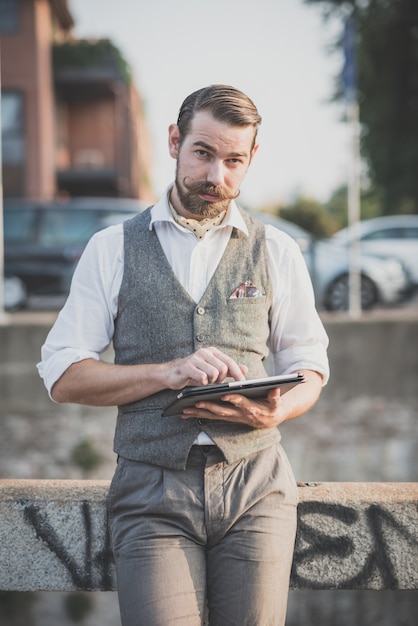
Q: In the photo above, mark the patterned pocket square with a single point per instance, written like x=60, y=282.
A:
x=247, y=290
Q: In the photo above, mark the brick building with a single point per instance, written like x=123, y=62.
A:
x=72, y=119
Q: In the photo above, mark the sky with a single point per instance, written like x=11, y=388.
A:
x=276, y=51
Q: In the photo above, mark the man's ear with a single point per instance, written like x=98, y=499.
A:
x=173, y=140
x=253, y=151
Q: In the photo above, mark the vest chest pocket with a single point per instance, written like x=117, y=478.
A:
x=247, y=306
x=248, y=316
x=258, y=300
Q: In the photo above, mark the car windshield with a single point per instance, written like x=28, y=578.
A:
x=67, y=227
x=403, y=232
x=19, y=226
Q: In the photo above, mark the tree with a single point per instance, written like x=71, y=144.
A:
x=387, y=87
x=336, y=206
x=310, y=215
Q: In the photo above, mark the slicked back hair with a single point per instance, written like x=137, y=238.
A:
x=225, y=103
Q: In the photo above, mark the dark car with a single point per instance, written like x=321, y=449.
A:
x=43, y=242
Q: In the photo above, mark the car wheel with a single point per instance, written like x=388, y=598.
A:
x=15, y=293
x=337, y=297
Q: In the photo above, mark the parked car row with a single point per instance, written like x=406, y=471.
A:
x=43, y=242
x=384, y=278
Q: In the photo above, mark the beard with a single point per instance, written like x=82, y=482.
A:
x=189, y=195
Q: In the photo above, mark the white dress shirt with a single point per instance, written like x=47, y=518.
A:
x=84, y=327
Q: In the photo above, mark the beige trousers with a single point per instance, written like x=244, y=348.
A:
x=215, y=534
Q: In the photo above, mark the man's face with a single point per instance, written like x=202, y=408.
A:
x=211, y=164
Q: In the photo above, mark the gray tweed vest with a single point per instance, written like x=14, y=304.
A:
x=158, y=321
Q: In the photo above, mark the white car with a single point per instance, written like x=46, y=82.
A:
x=383, y=280
x=14, y=293
x=391, y=235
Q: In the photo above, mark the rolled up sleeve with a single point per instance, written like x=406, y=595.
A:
x=84, y=327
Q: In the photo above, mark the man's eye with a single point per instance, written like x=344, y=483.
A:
x=201, y=153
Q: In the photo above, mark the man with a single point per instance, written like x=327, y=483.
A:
x=202, y=507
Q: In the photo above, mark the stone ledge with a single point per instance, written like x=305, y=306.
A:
x=53, y=536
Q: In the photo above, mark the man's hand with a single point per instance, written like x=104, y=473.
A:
x=203, y=367
x=97, y=383
x=262, y=413
x=277, y=407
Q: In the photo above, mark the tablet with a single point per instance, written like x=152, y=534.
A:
x=256, y=388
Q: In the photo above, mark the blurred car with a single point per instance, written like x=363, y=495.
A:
x=44, y=241
x=383, y=280
x=14, y=293
x=391, y=235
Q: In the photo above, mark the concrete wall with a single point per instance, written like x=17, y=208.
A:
x=53, y=536
x=372, y=357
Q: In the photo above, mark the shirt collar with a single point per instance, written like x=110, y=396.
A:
x=160, y=212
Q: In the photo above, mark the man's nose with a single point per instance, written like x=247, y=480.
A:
x=216, y=173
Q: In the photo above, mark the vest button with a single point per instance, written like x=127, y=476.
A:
x=200, y=337
x=200, y=310
x=201, y=422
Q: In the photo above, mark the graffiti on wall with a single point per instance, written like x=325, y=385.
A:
x=337, y=547
x=93, y=570
x=366, y=548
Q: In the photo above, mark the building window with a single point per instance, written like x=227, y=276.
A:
x=9, y=16
x=12, y=143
